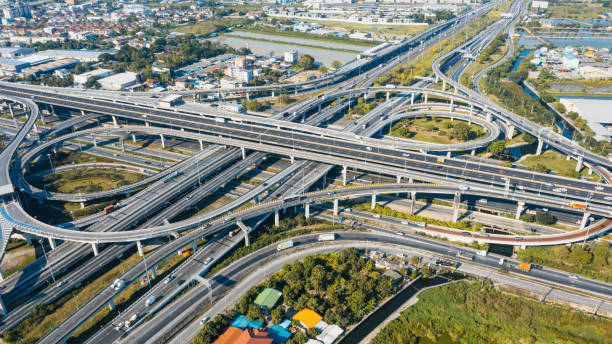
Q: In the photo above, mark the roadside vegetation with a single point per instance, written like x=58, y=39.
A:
x=437, y=130
x=593, y=261
x=273, y=31
x=554, y=161
x=340, y=286
x=86, y=180
x=206, y=27
x=495, y=51
x=18, y=254
x=474, y=313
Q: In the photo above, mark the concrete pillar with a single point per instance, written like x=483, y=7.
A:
x=519, y=210
x=456, y=203
x=398, y=179
x=590, y=171
x=122, y=142
x=443, y=85
x=448, y=154
x=471, y=109
x=585, y=218
x=276, y=218
x=319, y=108
x=10, y=106
x=163, y=141
x=510, y=132
x=154, y=272
x=201, y=144
x=567, y=158
x=82, y=205
x=412, y=98
x=335, y=207
x=473, y=152
x=489, y=117
x=344, y=173
x=111, y=304
x=539, y=150
x=307, y=210
x=373, y=203
x=52, y=243
x=425, y=100
x=140, y=250
x=114, y=120
x=243, y=152
x=579, y=163
x=95, y=142
x=388, y=95
x=2, y=306
x=194, y=244
x=133, y=138
x=147, y=124
x=94, y=246
x=248, y=96
x=412, y=204
x=452, y=103
x=273, y=94
x=292, y=159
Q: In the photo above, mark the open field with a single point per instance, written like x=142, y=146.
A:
x=476, y=313
x=554, y=161
x=209, y=26
x=434, y=130
x=87, y=180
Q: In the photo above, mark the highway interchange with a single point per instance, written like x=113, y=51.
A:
x=146, y=215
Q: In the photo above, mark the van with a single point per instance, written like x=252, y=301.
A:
x=376, y=216
x=150, y=300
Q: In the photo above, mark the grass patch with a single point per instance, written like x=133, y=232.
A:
x=552, y=160
x=294, y=43
x=576, y=10
x=593, y=261
x=18, y=254
x=209, y=26
x=87, y=180
x=437, y=130
x=468, y=313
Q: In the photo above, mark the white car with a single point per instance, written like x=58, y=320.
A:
x=400, y=233
x=482, y=200
x=608, y=198
x=208, y=260
x=599, y=188
x=204, y=320
x=404, y=222
x=573, y=277
x=376, y=216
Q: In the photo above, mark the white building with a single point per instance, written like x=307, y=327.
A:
x=570, y=61
x=81, y=55
x=120, y=81
x=291, y=56
x=239, y=73
x=82, y=78
x=594, y=112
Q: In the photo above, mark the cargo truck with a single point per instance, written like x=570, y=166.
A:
x=284, y=245
x=110, y=208
x=327, y=237
x=524, y=266
x=464, y=255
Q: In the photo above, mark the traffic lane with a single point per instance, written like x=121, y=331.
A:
x=233, y=126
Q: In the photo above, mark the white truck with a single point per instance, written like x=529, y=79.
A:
x=327, y=237
x=482, y=253
x=284, y=245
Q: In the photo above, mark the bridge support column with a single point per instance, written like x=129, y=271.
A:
x=489, y=117
x=140, y=250
x=94, y=246
x=95, y=142
x=154, y=272
x=319, y=108
x=373, y=203
x=82, y=113
x=82, y=205
x=292, y=159
x=579, y=163
x=243, y=152
x=111, y=304
x=1, y=280
x=147, y=124
x=584, y=221
x=10, y=106
x=473, y=152
x=388, y=95
x=412, y=98
x=272, y=94
x=519, y=210
x=276, y=218
x=2, y=306
x=425, y=99
x=540, y=145
x=245, y=229
x=194, y=245
x=52, y=243
x=590, y=171
x=456, y=203
x=163, y=141
x=307, y=210
x=443, y=85
x=452, y=103
x=114, y=120
x=36, y=128
x=448, y=154
x=344, y=173
x=122, y=145
x=201, y=144
x=335, y=207
x=413, y=198
x=248, y=96
x=133, y=138
x=510, y=132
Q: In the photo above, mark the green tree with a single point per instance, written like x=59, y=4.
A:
x=336, y=64
x=527, y=218
x=496, y=147
x=560, y=107
x=278, y=314
x=253, y=105
x=305, y=62
x=545, y=218
x=580, y=255
x=460, y=131
x=323, y=69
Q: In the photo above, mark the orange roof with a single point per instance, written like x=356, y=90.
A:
x=307, y=317
x=234, y=335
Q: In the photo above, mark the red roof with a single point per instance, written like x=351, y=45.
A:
x=234, y=335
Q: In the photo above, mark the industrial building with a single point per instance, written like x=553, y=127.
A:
x=121, y=81
x=82, y=78
x=593, y=111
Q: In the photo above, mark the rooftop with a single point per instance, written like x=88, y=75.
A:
x=268, y=298
x=307, y=317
